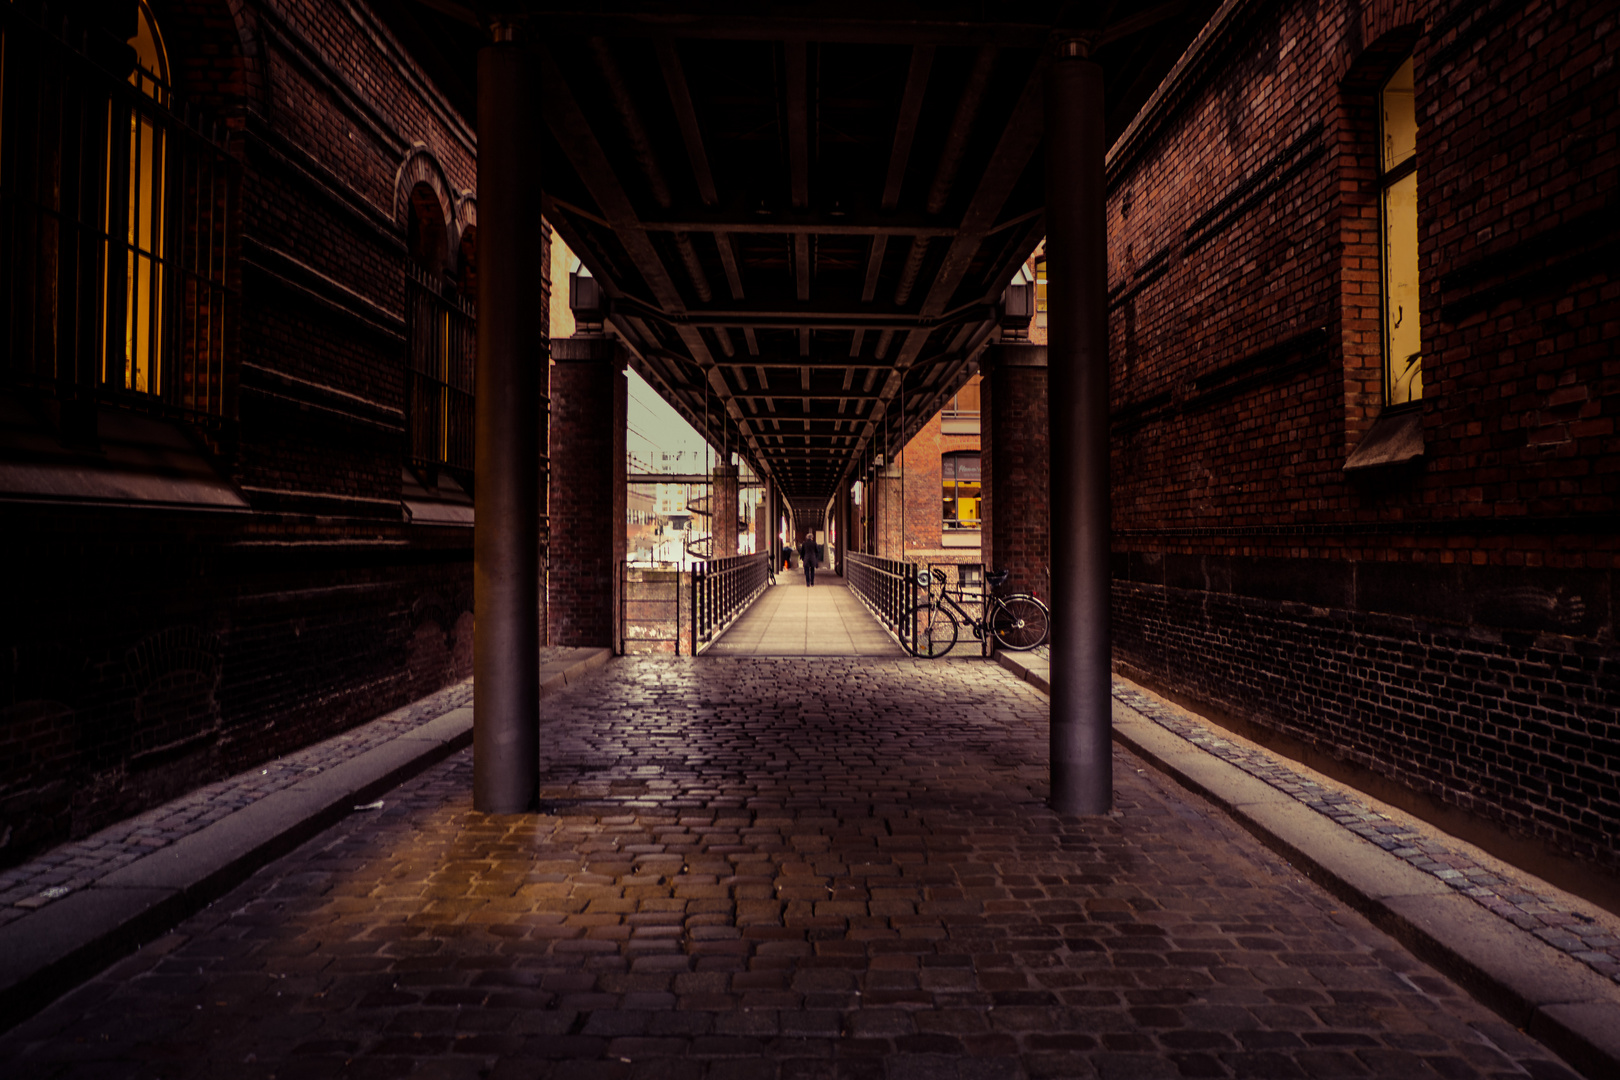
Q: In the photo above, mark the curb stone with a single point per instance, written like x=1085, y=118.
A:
x=60, y=943
x=1568, y=1005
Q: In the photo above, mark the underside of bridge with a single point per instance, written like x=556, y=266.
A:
x=803, y=216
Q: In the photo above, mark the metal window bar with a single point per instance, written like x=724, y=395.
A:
x=442, y=345
x=887, y=586
x=722, y=589
x=116, y=262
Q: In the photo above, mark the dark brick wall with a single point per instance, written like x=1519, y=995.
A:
x=1446, y=622
x=589, y=401
x=144, y=651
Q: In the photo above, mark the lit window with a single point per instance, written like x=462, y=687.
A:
x=1397, y=183
x=960, y=475
x=143, y=223
x=965, y=402
x=1040, y=293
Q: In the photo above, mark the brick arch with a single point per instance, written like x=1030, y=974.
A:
x=422, y=166
x=215, y=55
x=464, y=233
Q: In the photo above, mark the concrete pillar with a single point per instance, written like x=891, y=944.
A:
x=510, y=369
x=1077, y=323
x=1013, y=447
x=723, y=503
x=589, y=397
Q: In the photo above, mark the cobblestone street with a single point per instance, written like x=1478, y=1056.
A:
x=795, y=868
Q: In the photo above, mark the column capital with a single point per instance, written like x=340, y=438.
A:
x=1072, y=45
x=1012, y=354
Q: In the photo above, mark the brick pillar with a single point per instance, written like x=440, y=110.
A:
x=1013, y=448
x=588, y=402
x=724, y=505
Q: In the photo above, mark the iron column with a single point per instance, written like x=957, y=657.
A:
x=510, y=415
x=1077, y=322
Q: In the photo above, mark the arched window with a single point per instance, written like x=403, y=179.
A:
x=136, y=219
x=442, y=334
x=1397, y=209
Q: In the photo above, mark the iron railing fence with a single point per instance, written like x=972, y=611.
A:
x=117, y=256
x=653, y=605
x=442, y=344
x=887, y=586
x=722, y=589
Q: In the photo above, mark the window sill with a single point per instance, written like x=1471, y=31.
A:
x=1396, y=438
x=959, y=538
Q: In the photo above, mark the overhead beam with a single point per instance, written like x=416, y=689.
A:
x=680, y=99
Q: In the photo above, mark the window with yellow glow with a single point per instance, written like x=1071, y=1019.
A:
x=959, y=473
x=136, y=212
x=1040, y=293
x=1397, y=168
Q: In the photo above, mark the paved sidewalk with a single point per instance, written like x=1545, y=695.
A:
x=68, y=912
x=746, y=868
x=792, y=619
x=1533, y=958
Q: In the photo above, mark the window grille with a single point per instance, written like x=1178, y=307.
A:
x=115, y=202
x=443, y=337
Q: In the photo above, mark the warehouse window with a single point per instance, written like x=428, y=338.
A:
x=1397, y=208
x=141, y=203
x=959, y=473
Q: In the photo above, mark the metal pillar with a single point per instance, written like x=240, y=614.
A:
x=1077, y=307
x=511, y=363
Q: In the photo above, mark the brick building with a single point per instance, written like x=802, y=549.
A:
x=925, y=506
x=1363, y=322
x=234, y=458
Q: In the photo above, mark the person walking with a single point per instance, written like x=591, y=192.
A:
x=811, y=557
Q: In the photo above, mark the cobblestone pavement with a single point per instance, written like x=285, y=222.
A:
x=1587, y=937
x=32, y=885
x=762, y=868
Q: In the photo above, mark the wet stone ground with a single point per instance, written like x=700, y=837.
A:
x=759, y=868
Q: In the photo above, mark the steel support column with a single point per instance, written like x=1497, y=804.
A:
x=511, y=364
x=1077, y=306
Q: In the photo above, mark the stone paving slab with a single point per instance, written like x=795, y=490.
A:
x=745, y=868
x=1539, y=959
x=67, y=913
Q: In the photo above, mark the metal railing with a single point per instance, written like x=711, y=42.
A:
x=442, y=330
x=116, y=260
x=652, y=601
x=722, y=589
x=887, y=586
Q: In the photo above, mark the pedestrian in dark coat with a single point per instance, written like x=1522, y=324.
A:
x=810, y=555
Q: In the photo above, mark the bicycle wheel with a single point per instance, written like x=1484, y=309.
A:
x=935, y=632
x=1020, y=622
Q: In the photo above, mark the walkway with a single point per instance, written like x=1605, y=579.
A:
x=791, y=619
x=751, y=868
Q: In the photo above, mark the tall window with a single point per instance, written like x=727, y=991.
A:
x=1040, y=293
x=442, y=346
x=1397, y=183
x=959, y=472
x=135, y=212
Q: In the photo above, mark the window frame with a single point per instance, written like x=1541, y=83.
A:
x=950, y=510
x=1387, y=177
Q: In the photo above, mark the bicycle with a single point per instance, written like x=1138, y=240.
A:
x=1017, y=621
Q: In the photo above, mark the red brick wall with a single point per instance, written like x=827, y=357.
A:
x=1448, y=624
x=589, y=399
x=1017, y=511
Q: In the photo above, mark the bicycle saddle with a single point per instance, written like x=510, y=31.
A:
x=998, y=578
